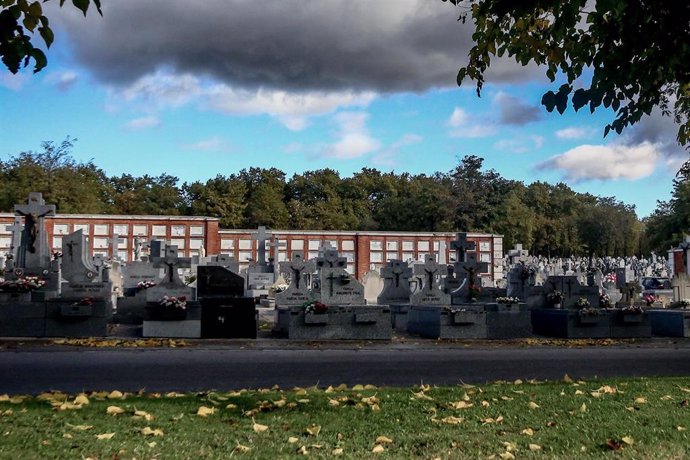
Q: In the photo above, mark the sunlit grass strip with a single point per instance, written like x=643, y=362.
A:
x=641, y=418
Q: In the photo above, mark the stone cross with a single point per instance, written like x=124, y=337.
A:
x=429, y=270
x=33, y=251
x=461, y=245
x=261, y=236
x=171, y=262
x=397, y=273
x=330, y=259
x=517, y=254
x=297, y=267
x=114, y=244
x=472, y=266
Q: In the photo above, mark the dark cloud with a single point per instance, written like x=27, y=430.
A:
x=657, y=129
x=513, y=111
x=386, y=45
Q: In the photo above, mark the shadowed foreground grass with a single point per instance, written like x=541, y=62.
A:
x=635, y=418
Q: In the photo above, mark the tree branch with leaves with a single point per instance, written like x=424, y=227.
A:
x=627, y=55
x=18, y=19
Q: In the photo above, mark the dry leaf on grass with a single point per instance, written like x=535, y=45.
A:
x=292, y=440
x=259, y=428
x=105, y=436
x=313, y=430
x=378, y=448
x=628, y=440
x=81, y=399
x=115, y=395
x=450, y=420
x=114, y=410
x=527, y=432
x=534, y=447
x=204, y=411
x=640, y=400
x=338, y=451
x=140, y=414
x=80, y=427
x=533, y=405
x=383, y=440
x=147, y=431
x=241, y=449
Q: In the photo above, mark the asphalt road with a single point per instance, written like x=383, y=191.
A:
x=225, y=367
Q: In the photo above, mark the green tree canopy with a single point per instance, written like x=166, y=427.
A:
x=629, y=55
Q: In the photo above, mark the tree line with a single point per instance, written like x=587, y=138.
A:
x=548, y=219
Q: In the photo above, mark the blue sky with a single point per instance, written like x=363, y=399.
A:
x=196, y=89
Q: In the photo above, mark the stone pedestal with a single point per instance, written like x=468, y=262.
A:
x=22, y=319
x=352, y=322
x=629, y=325
x=569, y=324
x=508, y=321
x=230, y=318
x=437, y=322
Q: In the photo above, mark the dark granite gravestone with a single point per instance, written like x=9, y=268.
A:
x=670, y=323
x=456, y=322
x=570, y=324
x=225, y=311
x=508, y=321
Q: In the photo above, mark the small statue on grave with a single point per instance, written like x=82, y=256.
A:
x=31, y=227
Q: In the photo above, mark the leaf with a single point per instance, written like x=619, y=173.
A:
x=527, y=432
x=114, y=410
x=583, y=407
x=422, y=395
x=567, y=379
x=292, y=440
x=358, y=388
x=533, y=405
x=147, y=431
x=204, y=411
x=103, y=436
x=461, y=405
x=507, y=456
x=333, y=402
x=303, y=450
x=139, y=414
x=534, y=447
x=241, y=449
x=83, y=5
x=680, y=428
x=383, y=440
x=378, y=448
x=115, y=395
x=628, y=440
x=450, y=420
x=259, y=428
x=640, y=400
x=485, y=403
x=338, y=451
x=313, y=430
x=231, y=406
x=81, y=399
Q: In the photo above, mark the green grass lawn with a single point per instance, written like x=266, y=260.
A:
x=634, y=418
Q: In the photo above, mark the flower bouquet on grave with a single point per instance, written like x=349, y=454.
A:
x=604, y=301
x=22, y=284
x=554, y=298
x=649, y=299
x=315, y=307
x=169, y=308
x=683, y=303
x=81, y=308
x=282, y=287
x=142, y=285
x=582, y=303
x=507, y=300
x=632, y=310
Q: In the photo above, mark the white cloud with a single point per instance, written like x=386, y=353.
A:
x=461, y=125
x=573, y=132
x=143, y=123
x=292, y=109
x=606, y=162
x=62, y=80
x=353, y=139
x=213, y=144
x=390, y=155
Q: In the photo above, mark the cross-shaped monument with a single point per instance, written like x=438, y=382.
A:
x=430, y=294
x=396, y=288
x=461, y=245
x=114, y=244
x=261, y=236
x=16, y=228
x=33, y=254
x=171, y=262
x=296, y=268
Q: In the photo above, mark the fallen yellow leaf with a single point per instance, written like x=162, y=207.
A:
x=583, y=407
x=507, y=456
x=115, y=395
x=139, y=414
x=383, y=440
x=534, y=447
x=231, y=406
x=567, y=379
x=533, y=405
x=485, y=403
x=147, y=431
x=378, y=448
x=114, y=410
x=461, y=405
x=292, y=440
x=680, y=428
x=259, y=428
x=628, y=440
x=303, y=450
x=241, y=449
x=358, y=388
x=80, y=427
x=204, y=411
x=338, y=451
x=105, y=436
x=528, y=432
x=640, y=400
x=666, y=398
x=81, y=399
x=450, y=420
x=313, y=430
x=67, y=436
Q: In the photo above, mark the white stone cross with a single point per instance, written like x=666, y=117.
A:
x=261, y=236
